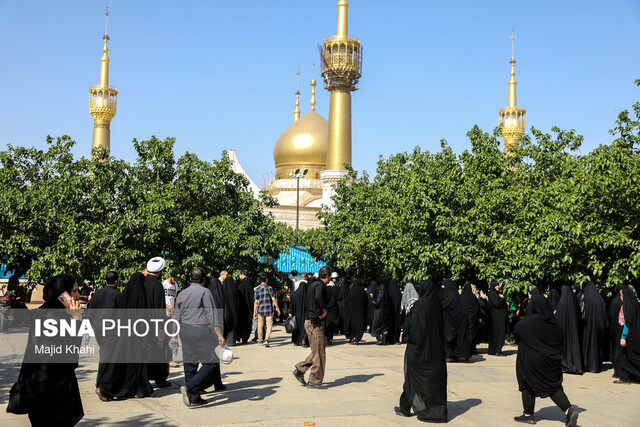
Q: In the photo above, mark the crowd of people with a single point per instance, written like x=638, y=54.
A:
x=569, y=331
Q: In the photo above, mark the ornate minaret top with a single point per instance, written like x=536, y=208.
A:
x=512, y=118
x=103, y=99
x=296, y=112
x=341, y=68
x=314, y=83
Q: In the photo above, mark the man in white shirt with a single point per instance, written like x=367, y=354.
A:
x=170, y=291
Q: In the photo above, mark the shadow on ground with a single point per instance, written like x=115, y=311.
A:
x=349, y=379
x=553, y=413
x=455, y=409
x=152, y=420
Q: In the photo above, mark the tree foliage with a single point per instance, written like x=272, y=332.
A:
x=543, y=213
x=82, y=217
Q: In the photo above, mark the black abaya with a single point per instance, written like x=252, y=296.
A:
x=534, y=292
x=595, y=327
x=298, y=308
x=382, y=316
x=455, y=323
x=470, y=308
x=554, y=298
x=540, y=340
x=567, y=316
x=497, y=320
x=630, y=354
x=245, y=309
x=157, y=348
x=425, y=368
x=332, y=320
x=355, y=309
x=231, y=305
x=395, y=296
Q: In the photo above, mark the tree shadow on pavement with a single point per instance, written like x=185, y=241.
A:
x=152, y=420
x=458, y=408
x=360, y=378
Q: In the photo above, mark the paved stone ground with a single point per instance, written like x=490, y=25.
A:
x=364, y=382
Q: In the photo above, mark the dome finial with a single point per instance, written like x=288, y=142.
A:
x=296, y=112
x=313, y=89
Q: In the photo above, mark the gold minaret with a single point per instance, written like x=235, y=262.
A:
x=512, y=117
x=103, y=100
x=341, y=64
x=296, y=112
x=314, y=83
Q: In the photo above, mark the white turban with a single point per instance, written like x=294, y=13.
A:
x=156, y=264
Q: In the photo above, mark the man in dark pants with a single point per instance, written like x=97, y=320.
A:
x=314, y=326
x=199, y=328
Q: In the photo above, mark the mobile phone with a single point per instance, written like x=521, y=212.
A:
x=65, y=299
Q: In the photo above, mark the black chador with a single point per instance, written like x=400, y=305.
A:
x=595, y=327
x=297, y=308
x=355, y=312
x=471, y=309
x=395, y=296
x=157, y=348
x=497, y=319
x=567, y=316
x=245, y=310
x=455, y=323
x=425, y=367
x=231, y=309
x=630, y=353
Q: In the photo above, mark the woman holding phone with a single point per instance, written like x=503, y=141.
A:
x=49, y=392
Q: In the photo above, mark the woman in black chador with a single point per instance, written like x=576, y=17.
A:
x=615, y=330
x=539, y=366
x=49, y=391
x=497, y=319
x=355, y=312
x=425, y=368
x=567, y=316
x=595, y=328
x=470, y=308
x=395, y=297
x=297, y=308
x=383, y=314
x=245, y=309
x=630, y=338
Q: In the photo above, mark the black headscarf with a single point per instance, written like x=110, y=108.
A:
x=554, y=297
x=534, y=292
x=55, y=287
x=425, y=378
x=595, y=327
x=134, y=295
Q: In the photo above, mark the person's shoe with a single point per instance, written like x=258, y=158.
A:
x=299, y=376
x=316, y=386
x=529, y=419
x=260, y=342
x=220, y=387
x=400, y=412
x=572, y=417
x=330, y=342
x=621, y=382
x=305, y=345
x=451, y=359
x=266, y=343
x=198, y=402
x=100, y=395
x=254, y=339
x=500, y=354
x=356, y=343
x=174, y=365
x=186, y=395
x=164, y=384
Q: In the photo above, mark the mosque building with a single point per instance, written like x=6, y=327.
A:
x=310, y=155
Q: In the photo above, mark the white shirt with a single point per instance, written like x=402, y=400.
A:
x=170, y=292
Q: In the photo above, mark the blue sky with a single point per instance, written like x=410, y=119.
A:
x=221, y=74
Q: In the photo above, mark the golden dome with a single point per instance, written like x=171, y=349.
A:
x=303, y=145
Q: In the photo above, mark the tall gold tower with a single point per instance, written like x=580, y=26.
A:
x=103, y=100
x=341, y=67
x=512, y=117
